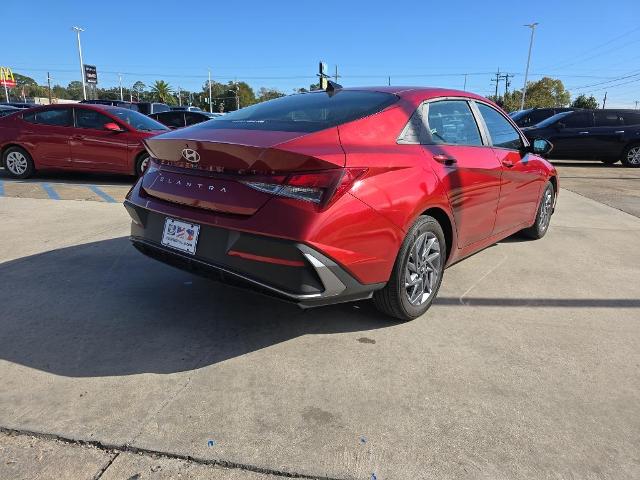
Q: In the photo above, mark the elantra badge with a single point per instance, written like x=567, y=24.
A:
x=190, y=155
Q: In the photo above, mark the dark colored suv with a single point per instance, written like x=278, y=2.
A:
x=532, y=116
x=605, y=135
x=153, y=107
x=113, y=103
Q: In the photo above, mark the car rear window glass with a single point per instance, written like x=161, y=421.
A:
x=607, y=119
x=306, y=112
x=171, y=119
x=503, y=134
x=59, y=117
x=631, y=118
x=451, y=122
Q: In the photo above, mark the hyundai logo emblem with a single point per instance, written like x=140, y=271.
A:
x=190, y=155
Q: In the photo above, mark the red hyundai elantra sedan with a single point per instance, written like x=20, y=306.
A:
x=79, y=137
x=343, y=195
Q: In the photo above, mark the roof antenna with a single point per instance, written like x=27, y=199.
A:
x=332, y=87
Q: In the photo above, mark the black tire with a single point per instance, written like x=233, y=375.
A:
x=630, y=160
x=18, y=163
x=394, y=299
x=609, y=161
x=543, y=216
x=142, y=162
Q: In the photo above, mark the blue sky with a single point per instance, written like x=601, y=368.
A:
x=586, y=44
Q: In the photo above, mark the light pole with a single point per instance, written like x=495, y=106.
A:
x=532, y=26
x=84, y=86
x=120, y=82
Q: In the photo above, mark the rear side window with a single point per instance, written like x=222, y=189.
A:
x=306, y=112
x=503, y=134
x=172, y=119
x=607, y=119
x=578, y=120
x=91, y=119
x=58, y=117
x=192, y=118
x=631, y=118
x=451, y=122
x=537, y=116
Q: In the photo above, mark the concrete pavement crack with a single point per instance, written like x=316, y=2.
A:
x=158, y=453
x=106, y=466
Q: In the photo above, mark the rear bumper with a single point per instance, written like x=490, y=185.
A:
x=285, y=269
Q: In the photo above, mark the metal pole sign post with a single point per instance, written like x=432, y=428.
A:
x=7, y=79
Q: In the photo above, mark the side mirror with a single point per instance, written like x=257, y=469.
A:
x=540, y=146
x=113, y=127
x=560, y=125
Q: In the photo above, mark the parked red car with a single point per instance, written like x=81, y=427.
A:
x=84, y=137
x=334, y=196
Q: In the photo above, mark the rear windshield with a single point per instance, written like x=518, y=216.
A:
x=306, y=112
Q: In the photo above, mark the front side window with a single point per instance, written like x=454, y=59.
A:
x=503, y=134
x=57, y=117
x=91, y=119
x=451, y=122
x=631, y=118
x=578, y=120
x=137, y=120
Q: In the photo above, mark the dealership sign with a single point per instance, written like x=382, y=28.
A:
x=6, y=77
x=90, y=74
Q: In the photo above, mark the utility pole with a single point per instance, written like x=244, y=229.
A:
x=49, y=86
x=237, y=96
x=636, y=104
x=465, y=83
x=497, y=80
x=532, y=26
x=84, y=86
x=604, y=101
x=336, y=75
x=120, y=81
x=389, y=81
x=210, y=99
x=507, y=83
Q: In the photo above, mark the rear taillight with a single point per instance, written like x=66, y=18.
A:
x=320, y=187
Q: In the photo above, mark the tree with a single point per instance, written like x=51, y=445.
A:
x=139, y=88
x=74, y=90
x=582, y=101
x=546, y=92
x=265, y=94
x=161, y=92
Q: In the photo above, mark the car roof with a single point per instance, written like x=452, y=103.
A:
x=417, y=93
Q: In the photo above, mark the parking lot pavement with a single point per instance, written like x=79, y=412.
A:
x=613, y=185
x=77, y=186
x=527, y=366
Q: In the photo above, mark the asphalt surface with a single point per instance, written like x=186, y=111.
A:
x=527, y=366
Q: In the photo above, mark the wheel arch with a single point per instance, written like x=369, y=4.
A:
x=136, y=157
x=442, y=217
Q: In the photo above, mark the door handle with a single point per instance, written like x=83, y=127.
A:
x=619, y=131
x=583, y=133
x=507, y=163
x=76, y=137
x=444, y=159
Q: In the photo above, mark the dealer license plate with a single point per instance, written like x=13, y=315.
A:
x=180, y=235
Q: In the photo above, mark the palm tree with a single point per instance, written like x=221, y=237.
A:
x=161, y=92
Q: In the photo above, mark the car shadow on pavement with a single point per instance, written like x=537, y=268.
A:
x=103, y=309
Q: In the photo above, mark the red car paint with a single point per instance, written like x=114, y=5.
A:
x=71, y=148
x=488, y=194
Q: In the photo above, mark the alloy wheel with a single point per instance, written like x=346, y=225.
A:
x=633, y=156
x=16, y=163
x=546, y=208
x=423, y=268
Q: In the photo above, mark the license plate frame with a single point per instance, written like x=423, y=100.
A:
x=180, y=235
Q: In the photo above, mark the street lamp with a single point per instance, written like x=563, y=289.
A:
x=532, y=26
x=84, y=86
